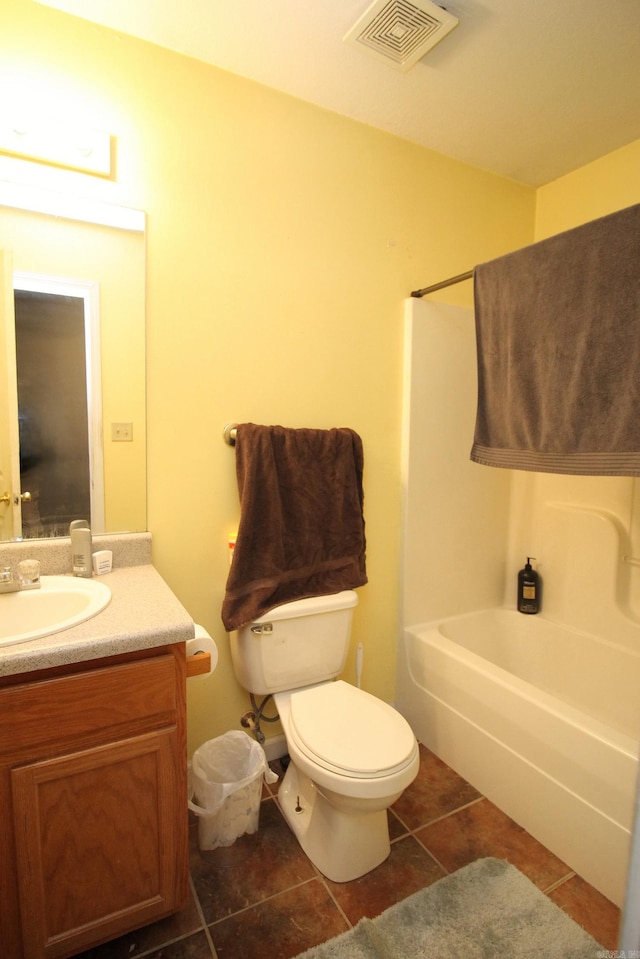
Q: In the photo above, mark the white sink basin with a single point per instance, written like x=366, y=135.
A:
x=61, y=602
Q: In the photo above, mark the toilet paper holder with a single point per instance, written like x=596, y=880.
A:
x=202, y=653
x=198, y=664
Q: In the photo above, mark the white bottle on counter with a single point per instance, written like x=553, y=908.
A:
x=81, y=559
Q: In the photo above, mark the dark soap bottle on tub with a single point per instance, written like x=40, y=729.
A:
x=528, y=589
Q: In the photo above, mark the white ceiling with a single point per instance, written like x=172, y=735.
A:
x=529, y=89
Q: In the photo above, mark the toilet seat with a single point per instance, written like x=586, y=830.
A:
x=350, y=732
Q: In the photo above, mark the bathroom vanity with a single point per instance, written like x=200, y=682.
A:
x=93, y=821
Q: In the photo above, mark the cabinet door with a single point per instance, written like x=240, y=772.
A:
x=96, y=842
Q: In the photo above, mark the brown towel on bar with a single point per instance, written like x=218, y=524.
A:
x=301, y=529
x=558, y=331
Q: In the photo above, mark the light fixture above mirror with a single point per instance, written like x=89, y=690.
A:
x=59, y=144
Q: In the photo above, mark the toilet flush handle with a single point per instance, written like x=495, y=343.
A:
x=263, y=629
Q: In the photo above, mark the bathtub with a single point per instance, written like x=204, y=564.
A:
x=543, y=720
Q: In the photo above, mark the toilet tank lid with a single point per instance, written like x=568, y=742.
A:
x=310, y=606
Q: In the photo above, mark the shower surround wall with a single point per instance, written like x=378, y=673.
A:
x=456, y=512
x=469, y=528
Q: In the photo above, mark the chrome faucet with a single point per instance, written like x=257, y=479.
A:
x=7, y=583
x=28, y=577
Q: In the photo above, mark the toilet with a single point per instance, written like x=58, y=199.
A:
x=351, y=755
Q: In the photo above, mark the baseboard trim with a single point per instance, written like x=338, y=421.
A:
x=275, y=747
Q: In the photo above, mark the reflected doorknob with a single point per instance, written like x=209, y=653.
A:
x=6, y=498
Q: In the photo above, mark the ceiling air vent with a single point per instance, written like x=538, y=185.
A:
x=401, y=31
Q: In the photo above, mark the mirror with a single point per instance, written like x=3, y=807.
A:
x=109, y=258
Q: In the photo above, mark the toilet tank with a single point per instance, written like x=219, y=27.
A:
x=296, y=644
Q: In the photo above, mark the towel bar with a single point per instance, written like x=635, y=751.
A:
x=229, y=433
x=444, y=283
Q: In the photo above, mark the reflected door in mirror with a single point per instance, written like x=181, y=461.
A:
x=52, y=412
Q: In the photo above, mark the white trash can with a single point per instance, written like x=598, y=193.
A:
x=225, y=788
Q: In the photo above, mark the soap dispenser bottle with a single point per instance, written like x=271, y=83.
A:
x=528, y=589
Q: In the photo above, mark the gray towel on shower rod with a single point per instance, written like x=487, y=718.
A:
x=301, y=529
x=558, y=333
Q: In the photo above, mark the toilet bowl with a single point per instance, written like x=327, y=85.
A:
x=351, y=755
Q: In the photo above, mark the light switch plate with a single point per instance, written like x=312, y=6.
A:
x=122, y=432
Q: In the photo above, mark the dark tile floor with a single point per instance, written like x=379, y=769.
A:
x=262, y=899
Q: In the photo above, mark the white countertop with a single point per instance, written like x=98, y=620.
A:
x=143, y=613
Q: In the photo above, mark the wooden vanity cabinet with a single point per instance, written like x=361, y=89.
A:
x=93, y=822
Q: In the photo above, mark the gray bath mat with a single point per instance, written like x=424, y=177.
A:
x=488, y=910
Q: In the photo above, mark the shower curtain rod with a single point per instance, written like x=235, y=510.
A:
x=441, y=285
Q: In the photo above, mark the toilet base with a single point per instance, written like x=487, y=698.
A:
x=342, y=845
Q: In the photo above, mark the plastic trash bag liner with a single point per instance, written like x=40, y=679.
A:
x=225, y=788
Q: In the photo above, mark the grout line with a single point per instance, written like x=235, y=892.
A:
x=429, y=853
x=559, y=882
x=430, y=822
x=200, y=912
x=158, y=949
x=261, y=902
x=334, y=900
x=453, y=812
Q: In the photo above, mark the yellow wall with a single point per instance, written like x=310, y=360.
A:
x=282, y=240
x=604, y=186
